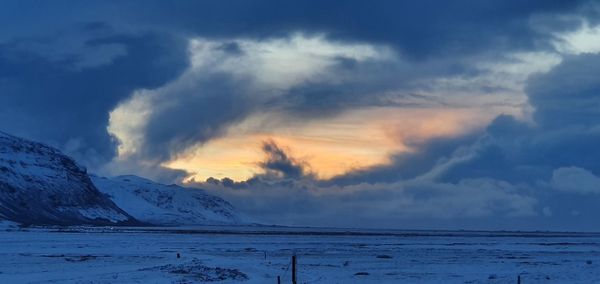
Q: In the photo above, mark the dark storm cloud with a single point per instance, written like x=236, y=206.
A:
x=565, y=133
x=357, y=84
x=195, y=113
x=279, y=163
x=569, y=95
x=405, y=166
x=566, y=130
x=76, y=91
x=64, y=99
x=418, y=29
x=280, y=170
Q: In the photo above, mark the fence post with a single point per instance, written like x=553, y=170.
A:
x=293, y=269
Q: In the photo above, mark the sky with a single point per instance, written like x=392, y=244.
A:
x=386, y=114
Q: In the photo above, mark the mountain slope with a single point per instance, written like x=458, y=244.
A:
x=40, y=185
x=168, y=205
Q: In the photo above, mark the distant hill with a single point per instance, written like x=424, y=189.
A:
x=169, y=205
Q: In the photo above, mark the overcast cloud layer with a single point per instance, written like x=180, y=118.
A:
x=126, y=87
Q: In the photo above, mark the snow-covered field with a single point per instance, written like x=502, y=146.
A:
x=259, y=255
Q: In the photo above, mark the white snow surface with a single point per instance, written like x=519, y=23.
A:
x=259, y=255
x=8, y=225
x=40, y=185
x=167, y=205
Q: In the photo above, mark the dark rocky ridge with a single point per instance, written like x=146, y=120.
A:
x=40, y=185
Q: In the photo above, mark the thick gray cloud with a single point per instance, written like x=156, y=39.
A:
x=565, y=134
x=279, y=170
x=406, y=166
x=195, y=114
x=279, y=163
x=576, y=180
x=64, y=98
x=419, y=30
x=569, y=95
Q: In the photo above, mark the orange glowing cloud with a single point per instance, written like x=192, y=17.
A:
x=356, y=139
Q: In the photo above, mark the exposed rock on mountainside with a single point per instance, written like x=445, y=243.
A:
x=40, y=185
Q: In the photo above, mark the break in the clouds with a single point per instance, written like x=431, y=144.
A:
x=433, y=114
x=230, y=80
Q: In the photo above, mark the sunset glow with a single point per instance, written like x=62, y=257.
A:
x=331, y=147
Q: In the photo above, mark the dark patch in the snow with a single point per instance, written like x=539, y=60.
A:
x=384, y=256
x=53, y=255
x=361, y=273
x=74, y=258
x=194, y=271
x=417, y=275
x=458, y=244
x=568, y=244
x=539, y=263
x=318, y=265
x=80, y=258
x=509, y=256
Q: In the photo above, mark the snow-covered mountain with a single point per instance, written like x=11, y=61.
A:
x=40, y=185
x=168, y=205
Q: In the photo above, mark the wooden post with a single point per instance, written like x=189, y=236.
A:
x=519, y=279
x=294, y=269
x=278, y=279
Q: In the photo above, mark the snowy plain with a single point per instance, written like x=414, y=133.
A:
x=260, y=254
